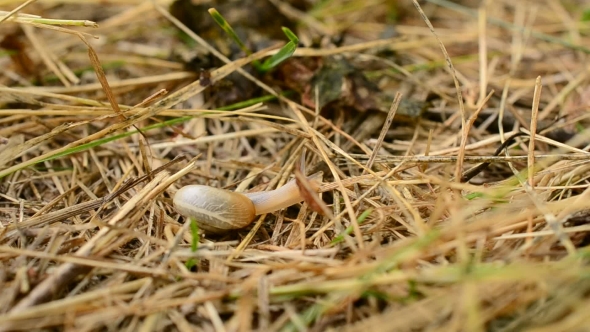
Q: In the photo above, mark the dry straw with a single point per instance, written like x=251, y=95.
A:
x=473, y=217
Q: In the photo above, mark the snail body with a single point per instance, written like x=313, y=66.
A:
x=219, y=210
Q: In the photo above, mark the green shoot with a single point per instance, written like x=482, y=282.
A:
x=225, y=26
x=284, y=53
x=194, y=243
x=349, y=229
x=308, y=316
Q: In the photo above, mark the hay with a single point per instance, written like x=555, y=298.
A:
x=92, y=153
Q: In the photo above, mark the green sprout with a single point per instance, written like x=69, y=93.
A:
x=283, y=54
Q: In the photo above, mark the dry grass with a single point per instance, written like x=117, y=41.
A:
x=89, y=239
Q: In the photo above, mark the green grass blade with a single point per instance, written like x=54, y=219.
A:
x=84, y=147
x=105, y=140
x=284, y=53
x=308, y=316
x=349, y=229
x=194, y=243
x=291, y=35
x=225, y=26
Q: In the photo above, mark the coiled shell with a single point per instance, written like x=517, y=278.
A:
x=215, y=210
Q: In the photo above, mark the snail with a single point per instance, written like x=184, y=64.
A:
x=219, y=210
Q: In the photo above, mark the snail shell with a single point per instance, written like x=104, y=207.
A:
x=215, y=210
